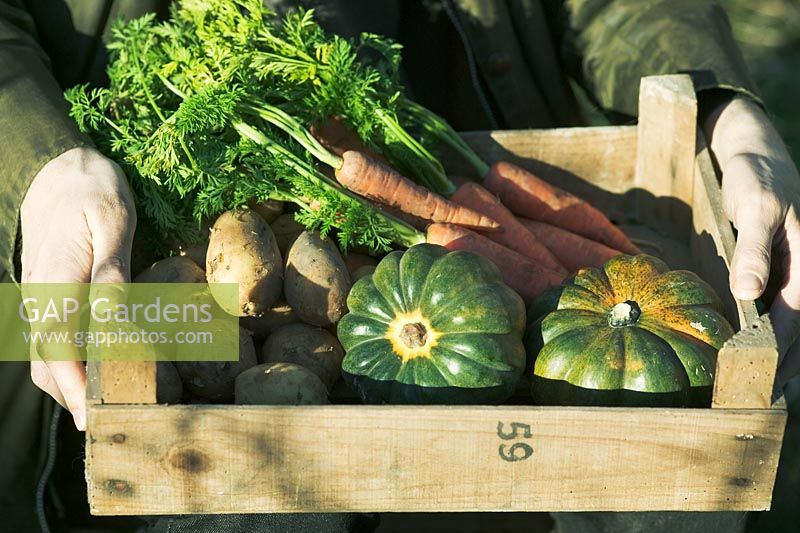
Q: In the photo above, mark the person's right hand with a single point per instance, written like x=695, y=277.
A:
x=761, y=196
x=77, y=224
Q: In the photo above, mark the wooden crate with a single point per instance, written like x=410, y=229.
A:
x=143, y=458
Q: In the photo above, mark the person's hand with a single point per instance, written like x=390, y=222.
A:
x=77, y=224
x=761, y=196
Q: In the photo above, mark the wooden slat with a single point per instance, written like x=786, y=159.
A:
x=217, y=459
x=596, y=163
x=121, y=382
x=666, y=148
x=746, y=367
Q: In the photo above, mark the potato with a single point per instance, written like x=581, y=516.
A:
x=313, y=348
x=143, y=253
x=174, y=269
x=262, y=326
x=354, y=261
x=169, y=388
x=362, y=271
x=286, y=230
x=197, y=252
x=242, y=249
x=269, y=210
x=316, y=281
x=280, y=384
x=214, y=380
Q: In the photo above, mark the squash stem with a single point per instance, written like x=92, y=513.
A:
x=624, y=314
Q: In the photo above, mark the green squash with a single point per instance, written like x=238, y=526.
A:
x=433, y=326
x=633, y=333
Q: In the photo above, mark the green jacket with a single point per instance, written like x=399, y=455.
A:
x=481, y=63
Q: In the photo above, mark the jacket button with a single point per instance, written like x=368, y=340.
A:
x=499, y=63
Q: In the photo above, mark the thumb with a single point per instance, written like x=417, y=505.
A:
x=751, y=258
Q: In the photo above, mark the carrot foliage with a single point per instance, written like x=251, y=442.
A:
x=206, y=110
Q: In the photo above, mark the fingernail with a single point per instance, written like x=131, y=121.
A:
x=749, y=283
x=80, y=420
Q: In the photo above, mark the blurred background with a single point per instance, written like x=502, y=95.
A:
x=769, y=34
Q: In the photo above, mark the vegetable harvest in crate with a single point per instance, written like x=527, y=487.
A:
x=226, y=111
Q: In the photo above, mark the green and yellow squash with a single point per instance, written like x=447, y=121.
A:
x=633, y=333
x=433, y=326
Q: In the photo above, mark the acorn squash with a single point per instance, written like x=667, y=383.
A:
x=433, y=326
x=633, y=333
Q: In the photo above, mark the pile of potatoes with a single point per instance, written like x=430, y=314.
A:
x=293, y=288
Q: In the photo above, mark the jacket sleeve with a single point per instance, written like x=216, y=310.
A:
x=612, y=44
x=34, y=122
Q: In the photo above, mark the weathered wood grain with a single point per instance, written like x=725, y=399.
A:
x=746, y=367
x=666, y=146
x=218, y=459
x=121, y=382
x=596, y=163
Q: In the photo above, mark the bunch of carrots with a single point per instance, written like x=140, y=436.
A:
x=225, y=102
x=536, y=233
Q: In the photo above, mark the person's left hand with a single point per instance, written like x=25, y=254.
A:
x=761, y=196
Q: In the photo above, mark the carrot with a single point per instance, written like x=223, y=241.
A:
x=458, y=181
x=573, y=250
x=338, y=137
x=412, y=220
x=529, y=196
x=511, y=234
x=381, y=183
x=520, y=273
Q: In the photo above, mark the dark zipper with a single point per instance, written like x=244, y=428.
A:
x=471, y=64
